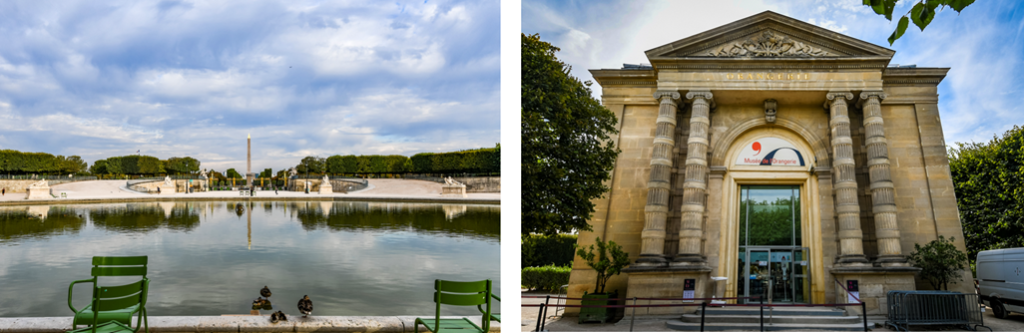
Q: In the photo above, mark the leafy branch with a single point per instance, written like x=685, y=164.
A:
x=922, y=13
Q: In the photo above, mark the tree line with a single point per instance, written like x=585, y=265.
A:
x=987, y=180
x=144, y=165
x=16, y=162
x=483, y=160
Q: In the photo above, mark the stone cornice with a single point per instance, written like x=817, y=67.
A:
x=923, y=76
x=625, y=77
x=816, y=36
x=823, y=64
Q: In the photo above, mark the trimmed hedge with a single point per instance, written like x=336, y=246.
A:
x=16, y=162
x=465, y=161
x=539, y=250
x=547, y=278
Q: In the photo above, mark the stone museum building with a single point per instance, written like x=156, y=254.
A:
x=776, y=158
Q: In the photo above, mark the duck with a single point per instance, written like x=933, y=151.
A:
x=278, y=316
x=265, y=292
x=257, y=303
x=306, y=306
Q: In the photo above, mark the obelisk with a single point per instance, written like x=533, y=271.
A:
x=248, y=161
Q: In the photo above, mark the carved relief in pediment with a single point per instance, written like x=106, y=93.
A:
x=768, y=44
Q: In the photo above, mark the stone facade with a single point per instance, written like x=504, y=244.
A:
x=873, y=177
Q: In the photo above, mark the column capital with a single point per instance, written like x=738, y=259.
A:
x=866, y=95
x=671, y=95
x=833, y=95
x=705, y=94
x=702, y=94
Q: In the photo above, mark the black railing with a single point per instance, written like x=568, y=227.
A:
x=542, y=313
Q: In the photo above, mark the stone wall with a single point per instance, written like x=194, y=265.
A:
x=480, y=184
x=337, y=185
x=198, y=185
x=16, y=185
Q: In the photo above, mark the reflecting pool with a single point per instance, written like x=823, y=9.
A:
x=212, y=258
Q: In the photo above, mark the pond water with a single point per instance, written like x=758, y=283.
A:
x=212, y=258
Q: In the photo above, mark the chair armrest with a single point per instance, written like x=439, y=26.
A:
x=480, y=306
x=71, y=289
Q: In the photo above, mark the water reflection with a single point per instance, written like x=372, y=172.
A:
x=145, y=217
x=38, y=222
x=352, y=258
x=461, y=219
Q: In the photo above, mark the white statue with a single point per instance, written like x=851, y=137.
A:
x=202, y=174
x=167, y=181
x=451, y=181
x=292, y=172
x=326, y=180
x=41, y=183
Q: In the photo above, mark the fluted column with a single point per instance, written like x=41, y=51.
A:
x=883, y=200
x=695, y=185
x=844, y=176
x=652, y=248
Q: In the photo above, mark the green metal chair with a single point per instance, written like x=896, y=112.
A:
x=457, y=293
x=494, y=316
x=112, y=307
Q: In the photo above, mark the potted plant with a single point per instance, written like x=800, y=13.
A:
x=607, y=262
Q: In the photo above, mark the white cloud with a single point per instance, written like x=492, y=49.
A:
x=306, y=77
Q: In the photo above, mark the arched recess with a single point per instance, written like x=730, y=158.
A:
x=727, y=151
x=818, y=145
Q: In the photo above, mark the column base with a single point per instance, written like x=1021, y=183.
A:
x=651, y=259
x=688, y=259
x=853, y=260
x=892, y=261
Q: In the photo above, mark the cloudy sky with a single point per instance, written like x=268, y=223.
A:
x=983, y=47
x=192, y=78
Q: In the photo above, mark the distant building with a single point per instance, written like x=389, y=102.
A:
x=777, y=154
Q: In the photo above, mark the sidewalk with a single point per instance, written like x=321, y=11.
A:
x=389, y=189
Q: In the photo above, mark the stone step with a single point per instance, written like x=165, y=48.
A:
x=777, y=311
x=684, y=326
x=729, y=319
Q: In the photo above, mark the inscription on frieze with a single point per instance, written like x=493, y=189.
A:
x=768, y=76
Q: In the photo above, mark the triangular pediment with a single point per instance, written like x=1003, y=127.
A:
x=769, y=35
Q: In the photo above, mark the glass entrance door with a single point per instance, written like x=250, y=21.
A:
x=772, y=262
x=779, y=274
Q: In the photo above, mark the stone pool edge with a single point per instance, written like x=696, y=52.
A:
x=240, y=198
x=203, y=324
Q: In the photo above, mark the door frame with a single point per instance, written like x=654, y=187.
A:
x=810, y=222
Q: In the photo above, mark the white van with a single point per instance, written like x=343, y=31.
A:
x=1001, y=280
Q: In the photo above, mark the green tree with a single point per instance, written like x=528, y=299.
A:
x=566, y=151
x=74, y=164
x=350, y=163
x=231, y=173
x=607, y=262
x=987, y=180
x=335, y=165
x=940, y=262
x=921, y=13
x=180, y=165
x=315, y=165
x=99, y=167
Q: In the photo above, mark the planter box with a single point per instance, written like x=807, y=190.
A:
x=601, y=315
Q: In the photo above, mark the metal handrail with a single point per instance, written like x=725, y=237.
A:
x=541, y=320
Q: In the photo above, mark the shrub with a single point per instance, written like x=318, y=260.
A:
x=548, y=278
x=539, y=250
